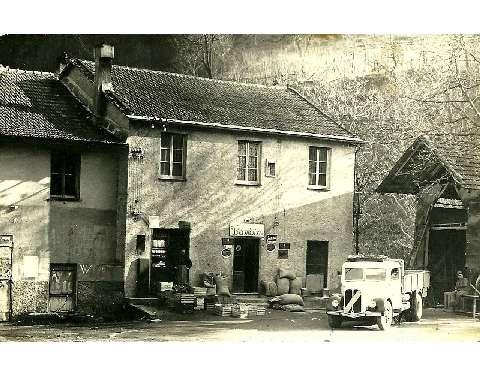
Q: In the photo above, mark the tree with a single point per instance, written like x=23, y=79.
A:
x=202, y=55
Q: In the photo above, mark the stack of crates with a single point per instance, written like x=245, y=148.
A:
x=185, y=302
x=222, y=310
x=200, y=294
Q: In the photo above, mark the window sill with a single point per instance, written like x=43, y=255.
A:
x=247, y=183
x=320, y=188
x=63, y=199
x=170, y=178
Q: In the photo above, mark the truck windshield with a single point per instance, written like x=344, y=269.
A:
x=370, y=274
x=353, y=274
x=375, y=274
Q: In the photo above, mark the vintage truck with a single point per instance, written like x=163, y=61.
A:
x=377, y=289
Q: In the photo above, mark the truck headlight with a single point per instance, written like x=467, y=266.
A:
x=335, y=303
x=372, y=304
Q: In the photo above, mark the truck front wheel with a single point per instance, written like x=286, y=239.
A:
x=334, y=321
x=385, y=321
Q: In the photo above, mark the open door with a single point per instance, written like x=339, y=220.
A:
x=446, y=256
x=245, y=265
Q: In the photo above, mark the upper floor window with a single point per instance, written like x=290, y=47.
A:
x=173, y=150
x=65, y=175
x=248, y=163
x=318, y=167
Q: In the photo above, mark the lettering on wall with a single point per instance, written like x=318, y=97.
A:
x=247, y=230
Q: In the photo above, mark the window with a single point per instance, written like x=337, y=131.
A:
x=395, y=274
x=318, y=167
x=270, y=168
x=352, y=274
x=65, y=176
x=375, y=274
x=172, y=156
x=248, y=163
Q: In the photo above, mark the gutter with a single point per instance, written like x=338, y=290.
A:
x=214, y=125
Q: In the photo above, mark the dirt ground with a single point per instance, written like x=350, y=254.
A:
x=278, y=326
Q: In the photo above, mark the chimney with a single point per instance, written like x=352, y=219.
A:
x=103, y=77
x=62, y=62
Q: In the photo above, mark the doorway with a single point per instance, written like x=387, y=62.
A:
x=245, y=265
x=446, y=256
x=165, y=253
x=317, y=259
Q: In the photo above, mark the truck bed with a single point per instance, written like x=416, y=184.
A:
x=416, y=280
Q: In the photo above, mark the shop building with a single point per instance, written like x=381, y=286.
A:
x=245, y=178
x=443, y=172
x=61, y=213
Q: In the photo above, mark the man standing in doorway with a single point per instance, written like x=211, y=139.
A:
x=183, y=265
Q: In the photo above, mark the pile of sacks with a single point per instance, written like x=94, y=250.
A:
x=286, y=291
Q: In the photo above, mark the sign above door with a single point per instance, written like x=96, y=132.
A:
x=247, y=230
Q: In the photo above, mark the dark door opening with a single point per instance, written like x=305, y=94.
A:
x=164, y=254
x=317, y=259
x=245, y=265
x=446, y=256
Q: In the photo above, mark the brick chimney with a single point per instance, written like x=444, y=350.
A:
x=103, y=77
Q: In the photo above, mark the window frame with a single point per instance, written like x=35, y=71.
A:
x=77, y=169
x=171, y=177
x=246, y=182
x=317, y=168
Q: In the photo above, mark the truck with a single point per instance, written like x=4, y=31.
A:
x=377, y=290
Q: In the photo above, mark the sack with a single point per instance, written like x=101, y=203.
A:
x=269, y=288
x=296, y=286
x=283, y=272
x=222, y=285
x=290, y=299
x=283, y=286
x=293, y=308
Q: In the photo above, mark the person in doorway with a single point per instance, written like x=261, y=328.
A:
x=183, y=265
x=462, y=287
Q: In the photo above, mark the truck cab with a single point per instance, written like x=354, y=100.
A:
x=375, y=290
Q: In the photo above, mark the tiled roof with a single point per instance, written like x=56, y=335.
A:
x=156, y=94
x=459, y=153
x=37, y=105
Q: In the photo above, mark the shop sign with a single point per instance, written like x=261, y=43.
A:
x=271, y=240
x=227, y=247
x=247, y=230
x=283, y=248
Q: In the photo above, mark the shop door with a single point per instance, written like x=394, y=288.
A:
x=317, y=259
x=6, y=247
x=245, y=265
x=166, y=247
x=446, y=256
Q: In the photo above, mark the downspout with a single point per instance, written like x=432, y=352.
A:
x=356, y=204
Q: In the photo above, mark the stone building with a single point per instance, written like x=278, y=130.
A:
x=443, y=171
x=61, y=218
x=245, y=178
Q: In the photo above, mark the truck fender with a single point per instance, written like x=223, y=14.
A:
x=380, y=302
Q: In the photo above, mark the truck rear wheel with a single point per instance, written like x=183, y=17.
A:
x=334, y=321
x=416, y=310
x=385, y=321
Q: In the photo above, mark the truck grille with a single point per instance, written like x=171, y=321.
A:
x=357, y=306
